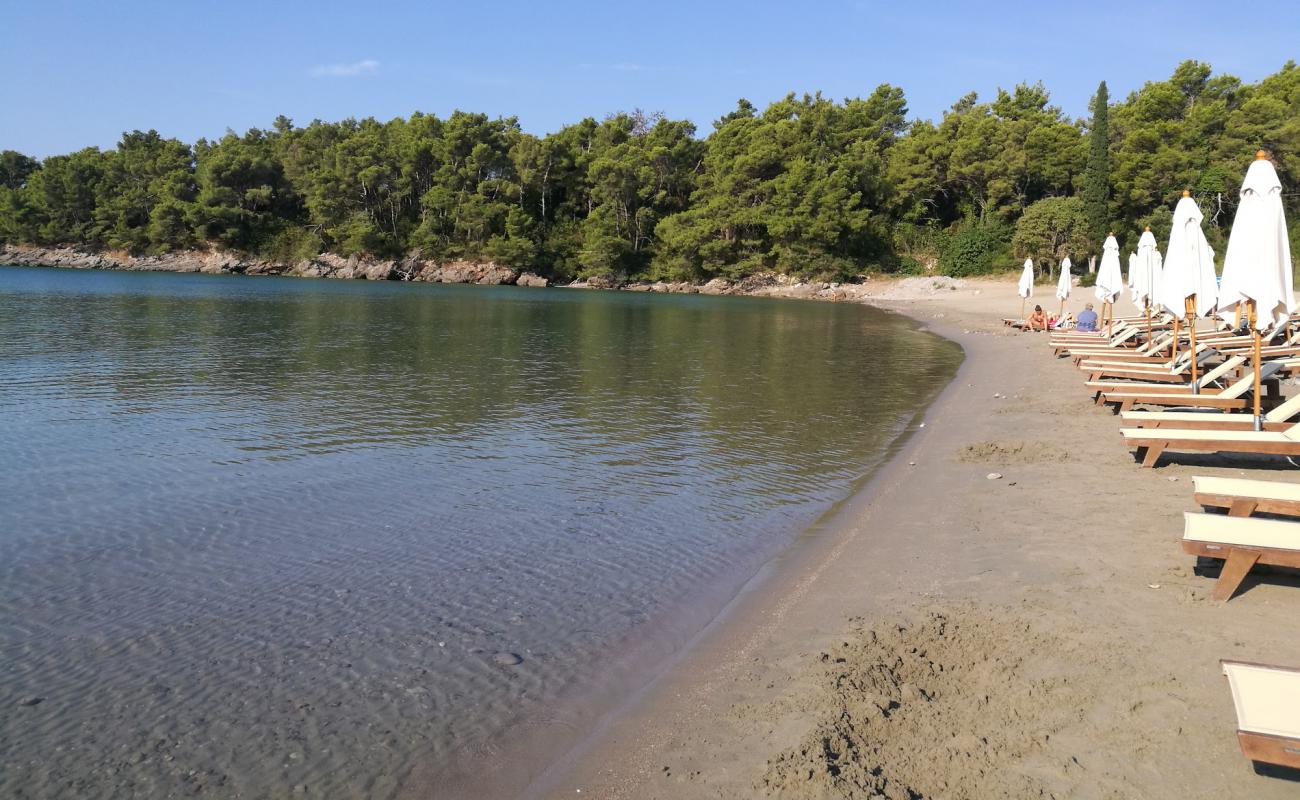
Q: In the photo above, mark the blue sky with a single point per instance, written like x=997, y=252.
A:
x=80, y=73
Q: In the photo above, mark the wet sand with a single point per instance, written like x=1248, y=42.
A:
x=950, y=635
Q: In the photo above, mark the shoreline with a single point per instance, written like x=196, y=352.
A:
x=1106, y=644
x=415, y=270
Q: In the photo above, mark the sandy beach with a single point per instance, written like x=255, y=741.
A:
x=947, y=633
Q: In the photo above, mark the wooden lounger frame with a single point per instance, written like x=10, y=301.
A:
x=1279, y=419
x=1266, y=748
x=1245, y=497
x=1238, y=559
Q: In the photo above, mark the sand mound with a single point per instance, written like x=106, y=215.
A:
x=956, y=705
x=1011, y=452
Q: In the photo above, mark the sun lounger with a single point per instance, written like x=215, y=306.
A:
x=1231, y=397
x=1076, y=336
x=1267, y=699
x=1125, y=378
x=1150, y=351
x=1242, y=497
x=1247, y=342
x=1242, y=543
x=1177, y=371
x=1279, y=419
x=1151, y=443
x=1119, y=386
x=1121, y=338
x=1156, y=356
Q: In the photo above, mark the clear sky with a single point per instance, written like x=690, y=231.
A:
x=79, y=73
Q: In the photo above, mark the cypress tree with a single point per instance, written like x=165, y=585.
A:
x=1096, y=176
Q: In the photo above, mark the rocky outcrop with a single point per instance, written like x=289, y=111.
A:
x=532, y=280
x=324, y=265
x=716, y=286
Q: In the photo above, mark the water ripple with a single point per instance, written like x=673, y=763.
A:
x=266, y=533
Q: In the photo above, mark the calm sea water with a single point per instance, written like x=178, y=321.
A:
x=259, y=535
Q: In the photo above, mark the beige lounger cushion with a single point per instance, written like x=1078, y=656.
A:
x=1282, y=413
x=1241, y=531
x=1233, y=392
x=1180, y=435
x=1242, y=487
x=1185, y=416
x=1267, y=698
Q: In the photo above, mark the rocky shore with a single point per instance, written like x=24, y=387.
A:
x=413, y=268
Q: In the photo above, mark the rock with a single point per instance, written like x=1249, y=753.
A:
x=532, y=280
x=493, y=275
x=993, y=476
x=377, y=271
x=602, y=282
x=33, y=700
x=506, y=659
x=716, y=286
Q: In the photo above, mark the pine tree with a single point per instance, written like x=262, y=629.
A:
x=1096, y=177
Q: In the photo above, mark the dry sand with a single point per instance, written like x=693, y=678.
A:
x=945, y=634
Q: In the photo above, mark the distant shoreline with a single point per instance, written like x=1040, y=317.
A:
x=328, y=265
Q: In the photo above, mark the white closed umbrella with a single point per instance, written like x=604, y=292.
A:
x=1189, y=264
x=1157, y=275
x=1063, y=285
x=1188, y=285
x=1132, y=277
x=1146, y=273
x=1257, y=266
x=1026, y=286
x=1110, y=282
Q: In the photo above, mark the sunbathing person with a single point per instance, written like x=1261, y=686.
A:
x=1037, y=320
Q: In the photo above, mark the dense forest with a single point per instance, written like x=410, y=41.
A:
x=806, y=186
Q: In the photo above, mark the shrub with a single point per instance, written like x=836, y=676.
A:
x=976, y=250
x=910, y=266
x=1088, y=279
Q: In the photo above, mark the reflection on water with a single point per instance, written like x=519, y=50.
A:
x=260, y=534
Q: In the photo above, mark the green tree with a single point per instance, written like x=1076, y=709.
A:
x=244, y=199
x=14, y=169
x=143, y=175
x=1096, y=179
x=1051, y=229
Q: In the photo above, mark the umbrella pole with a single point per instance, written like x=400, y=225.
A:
x=1022, y=307
x=1148, y=305
x=1259, y=417
x=1173, y=352
x=1110, y=319
x=1061, y=314
x=1191, y=334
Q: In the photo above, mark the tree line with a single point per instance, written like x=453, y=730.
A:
x=806, y=186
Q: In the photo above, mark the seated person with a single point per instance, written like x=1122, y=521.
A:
x=1087, y=319
x=1037, y=320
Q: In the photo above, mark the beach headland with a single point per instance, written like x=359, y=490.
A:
x=1002, y=612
